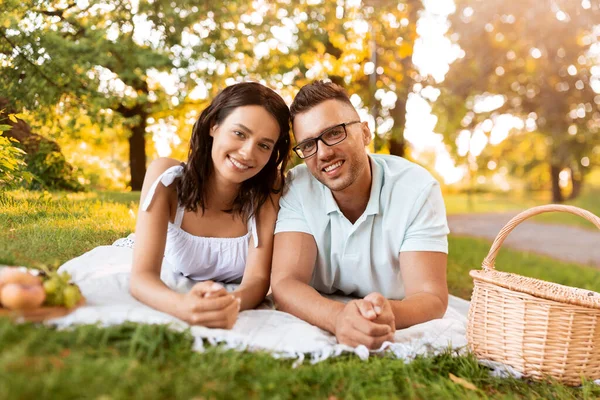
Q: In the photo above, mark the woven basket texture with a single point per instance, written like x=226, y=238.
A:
x=541, y=329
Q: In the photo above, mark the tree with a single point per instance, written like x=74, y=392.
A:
x=40, y=161
x=367, y=49
x=89, y=57
x=78, y=61
x=536, y=54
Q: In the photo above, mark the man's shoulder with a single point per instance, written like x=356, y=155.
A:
x=300, y=176
x=400, y=173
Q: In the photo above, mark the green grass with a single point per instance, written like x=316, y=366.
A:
x=60, y=226
x=461, y=203
x=140, y=361
x=90, y=362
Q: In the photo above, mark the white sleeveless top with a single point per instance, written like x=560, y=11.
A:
x=202, y=258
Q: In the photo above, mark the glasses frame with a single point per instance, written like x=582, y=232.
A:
x=320, y=138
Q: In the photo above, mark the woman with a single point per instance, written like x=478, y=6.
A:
x=213, y=218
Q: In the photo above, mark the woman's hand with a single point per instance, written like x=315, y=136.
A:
x=209, y=304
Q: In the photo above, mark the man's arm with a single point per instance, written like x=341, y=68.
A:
x=426, y=288
x=294, y=259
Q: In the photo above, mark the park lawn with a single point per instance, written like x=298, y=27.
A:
x=140, y=361
x=462, y=203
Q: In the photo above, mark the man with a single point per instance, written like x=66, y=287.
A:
x=371, y=226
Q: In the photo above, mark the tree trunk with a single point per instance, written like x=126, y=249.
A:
x=557, y=196
x=576, y=184
x=396, y=143
x=137, y=143
x=137, y=153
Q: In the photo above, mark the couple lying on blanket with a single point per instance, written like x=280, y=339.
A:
x=369, y=226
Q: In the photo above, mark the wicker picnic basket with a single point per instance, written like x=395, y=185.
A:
x=541, y=329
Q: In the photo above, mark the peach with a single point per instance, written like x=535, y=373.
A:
x=22, y=297
x=17, y=275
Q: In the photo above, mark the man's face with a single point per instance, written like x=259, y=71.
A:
x=340, y=165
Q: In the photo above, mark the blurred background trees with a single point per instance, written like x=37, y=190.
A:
x=484, y=94
x=541, y=60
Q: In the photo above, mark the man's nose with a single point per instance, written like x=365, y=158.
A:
x=324, y=152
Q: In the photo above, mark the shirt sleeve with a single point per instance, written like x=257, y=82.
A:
x=291, y=216
x=428, y=230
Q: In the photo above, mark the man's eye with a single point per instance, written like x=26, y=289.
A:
x=335, y=133
x=307, y=146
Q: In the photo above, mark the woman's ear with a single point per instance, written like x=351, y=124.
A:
x=212, y=130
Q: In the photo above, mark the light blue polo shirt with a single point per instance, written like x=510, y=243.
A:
x=405, y=212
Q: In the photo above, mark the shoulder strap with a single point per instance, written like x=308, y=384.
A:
x=253, y=230
x=166, y=178
x=179, y=216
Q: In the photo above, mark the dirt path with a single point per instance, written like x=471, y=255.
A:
x=567, y=243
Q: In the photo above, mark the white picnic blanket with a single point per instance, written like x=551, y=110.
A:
x=103, y=276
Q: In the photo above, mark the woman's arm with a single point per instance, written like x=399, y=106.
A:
x=256, y=280
x=206, y=304
x=150, y=240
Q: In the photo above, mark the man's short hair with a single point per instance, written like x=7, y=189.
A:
x=315, y=93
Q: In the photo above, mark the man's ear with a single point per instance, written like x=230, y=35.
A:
x=366, y=133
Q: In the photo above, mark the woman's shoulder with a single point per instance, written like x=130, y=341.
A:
x=160, y=165
x=155, y=170
x=268, y=211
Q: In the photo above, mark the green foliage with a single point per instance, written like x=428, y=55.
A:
x=50, y=169
x=12, y=162
x=78, y=65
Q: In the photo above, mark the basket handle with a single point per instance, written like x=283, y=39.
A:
x=489, y=261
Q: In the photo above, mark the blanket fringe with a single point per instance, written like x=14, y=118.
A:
x=407, y=352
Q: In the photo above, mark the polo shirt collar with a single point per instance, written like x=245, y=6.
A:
x=376, y=186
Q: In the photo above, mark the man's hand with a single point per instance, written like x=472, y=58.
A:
x=378, y=309
x=353, y=329
x=209, y=304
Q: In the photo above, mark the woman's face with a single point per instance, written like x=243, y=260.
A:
x=243, y=143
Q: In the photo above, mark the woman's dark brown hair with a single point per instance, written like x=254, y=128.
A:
x=254, y=192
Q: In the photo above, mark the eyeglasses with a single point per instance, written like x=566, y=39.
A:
x=330, y=136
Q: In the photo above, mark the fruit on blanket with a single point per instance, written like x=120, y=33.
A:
x=22, y=297
x=51, y=286
x=20, y=289
x=71, y=295
x=10, y=275
x=17, y=275
x=60, y=291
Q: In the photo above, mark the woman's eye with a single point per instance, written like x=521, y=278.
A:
x=239, y=134
x=265, y=146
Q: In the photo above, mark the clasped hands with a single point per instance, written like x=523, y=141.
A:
x=369, y=321
x=209, y=304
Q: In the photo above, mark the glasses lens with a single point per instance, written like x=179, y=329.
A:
x=334, y=135
x=306, y=149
